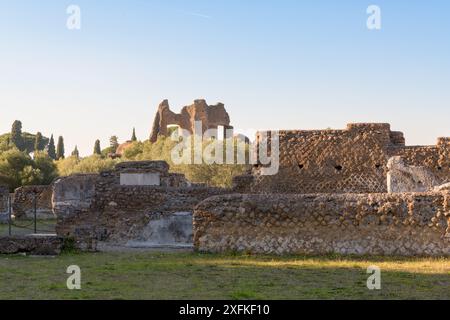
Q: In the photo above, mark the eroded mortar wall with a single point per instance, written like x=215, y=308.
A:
x=381, y=224
x=340, y=161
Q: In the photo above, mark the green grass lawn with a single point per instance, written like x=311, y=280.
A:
x=183, y=275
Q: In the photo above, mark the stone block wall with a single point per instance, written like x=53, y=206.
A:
x=341, y=161
x=23, y=204
x=99, y=207
x=382, y=224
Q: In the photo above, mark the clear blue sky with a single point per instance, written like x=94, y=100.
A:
x=275, y=64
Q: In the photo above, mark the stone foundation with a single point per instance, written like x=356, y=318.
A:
x=379, y=224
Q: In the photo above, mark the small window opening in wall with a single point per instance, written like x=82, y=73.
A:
x=300, y=166
x=378, y=166
x=338, y=168
x=439, y=168
x=171, y=128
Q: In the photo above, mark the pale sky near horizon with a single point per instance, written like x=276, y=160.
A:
x=285, y=64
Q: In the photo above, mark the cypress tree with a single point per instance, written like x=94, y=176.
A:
x=16, y=135
x=60, y=148
x=133, y=137
x=114, y=143
x=51, y=148
x=75, y=153
x=97, y=149
x=38, y=142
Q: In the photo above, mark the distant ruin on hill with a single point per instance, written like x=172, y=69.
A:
x=211, y=117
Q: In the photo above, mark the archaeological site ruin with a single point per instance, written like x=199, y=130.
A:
x=211, y=117
x=360, y=190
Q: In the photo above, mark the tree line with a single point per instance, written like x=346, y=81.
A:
x=33, y=159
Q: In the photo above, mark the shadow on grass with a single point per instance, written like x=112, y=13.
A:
x=209, y=276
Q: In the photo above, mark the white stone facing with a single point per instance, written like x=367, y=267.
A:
x=140, y=179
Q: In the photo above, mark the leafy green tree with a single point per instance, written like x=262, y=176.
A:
x=60, y=149
x=92, y=164
x=46, y=166
x=113, y=144
x=51, y=148
x=16, y=135
x=133, y=137
x=18, y=169
x=97, y=149
x=76, y=153
x=38, y=142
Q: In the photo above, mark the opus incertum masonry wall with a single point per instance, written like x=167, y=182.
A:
x=380, y=224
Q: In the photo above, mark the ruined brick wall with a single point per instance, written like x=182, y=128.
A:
x=381, y=224
x=117, y=213
x=23, y=204
x=340, y=161
x=210, y=116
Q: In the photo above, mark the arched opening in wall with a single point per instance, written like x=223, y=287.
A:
x=378, y=166
x=338, y=168
x=173, y=128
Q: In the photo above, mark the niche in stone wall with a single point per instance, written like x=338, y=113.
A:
x=140, y=179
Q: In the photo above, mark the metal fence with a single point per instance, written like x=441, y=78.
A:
x=27, y=226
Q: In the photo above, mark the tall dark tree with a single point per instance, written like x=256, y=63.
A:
x=60, y=148
x=38, y=141
x=97, y=149
x=75, y=152
x=114, y=143
x=133, y=137
x=16, y=135
x=51, y=148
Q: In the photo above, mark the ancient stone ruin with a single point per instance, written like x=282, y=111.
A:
x=360, y=190
x=211, y=117
x=139, y=204
x=354, y=160
x=27, y=199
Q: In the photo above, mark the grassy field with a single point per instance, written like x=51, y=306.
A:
x=184, y=275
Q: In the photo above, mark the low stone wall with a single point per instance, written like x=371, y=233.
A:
x=382, y=224
x=34, y=245
x=23, y=205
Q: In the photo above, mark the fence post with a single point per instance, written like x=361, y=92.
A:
x=35, y=213
x=9, y=214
